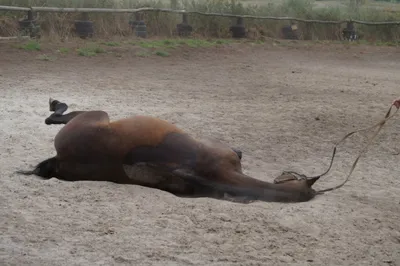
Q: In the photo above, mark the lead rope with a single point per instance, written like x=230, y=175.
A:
x=379, y=124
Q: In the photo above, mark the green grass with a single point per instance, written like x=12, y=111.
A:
x=205, y=43
x=158, y=44
x=90, y=51
x=161, y=47
x=31, y=46
x=161, y=53
x=45, y=57
x=64, y=50
x=380, y=43
x=142, y=54
x=174, y=43
x=112, y=44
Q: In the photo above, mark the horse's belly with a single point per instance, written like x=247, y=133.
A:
x=96, y=171
x=139, y=174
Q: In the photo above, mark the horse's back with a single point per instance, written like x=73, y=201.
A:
x=91, y=134
x=140, y=131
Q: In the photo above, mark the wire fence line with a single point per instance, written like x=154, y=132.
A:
x=111, y=10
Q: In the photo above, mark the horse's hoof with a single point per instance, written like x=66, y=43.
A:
x=52, y=104
x=47, y=121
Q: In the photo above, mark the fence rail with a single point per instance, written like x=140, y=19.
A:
x=111, y=10
x=14, y=8
x=102, y=10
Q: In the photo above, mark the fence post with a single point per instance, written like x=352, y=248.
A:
x=133, y=22
x=28, y=25
x=84, y=16
x=238, y=30
x=184, y=29
x=290, y=31
x=174, y=4
x=349, y=33
x=30, y=15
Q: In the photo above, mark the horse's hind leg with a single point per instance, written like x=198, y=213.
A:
x=57, y=117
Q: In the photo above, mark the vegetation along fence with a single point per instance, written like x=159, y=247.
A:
x=85, y=22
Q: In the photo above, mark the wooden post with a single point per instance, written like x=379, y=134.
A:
x=174, y=4
x=240, y=21
x=85, y=16
x=290, y=31
x=28, y=25
x=185, y=18
x=30, y=15
x=184, y=29
x=349, y=33
x=238, y=30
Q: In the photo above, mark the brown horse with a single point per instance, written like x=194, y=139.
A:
x=151, y=152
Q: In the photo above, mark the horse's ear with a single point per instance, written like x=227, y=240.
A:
x=311, y=181
x=238, y=152
x=284, y=177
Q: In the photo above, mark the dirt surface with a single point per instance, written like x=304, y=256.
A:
x=284, y=107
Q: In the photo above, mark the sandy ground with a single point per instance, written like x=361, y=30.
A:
x=284, y=107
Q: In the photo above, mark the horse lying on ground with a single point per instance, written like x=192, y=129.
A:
x=151, y=152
